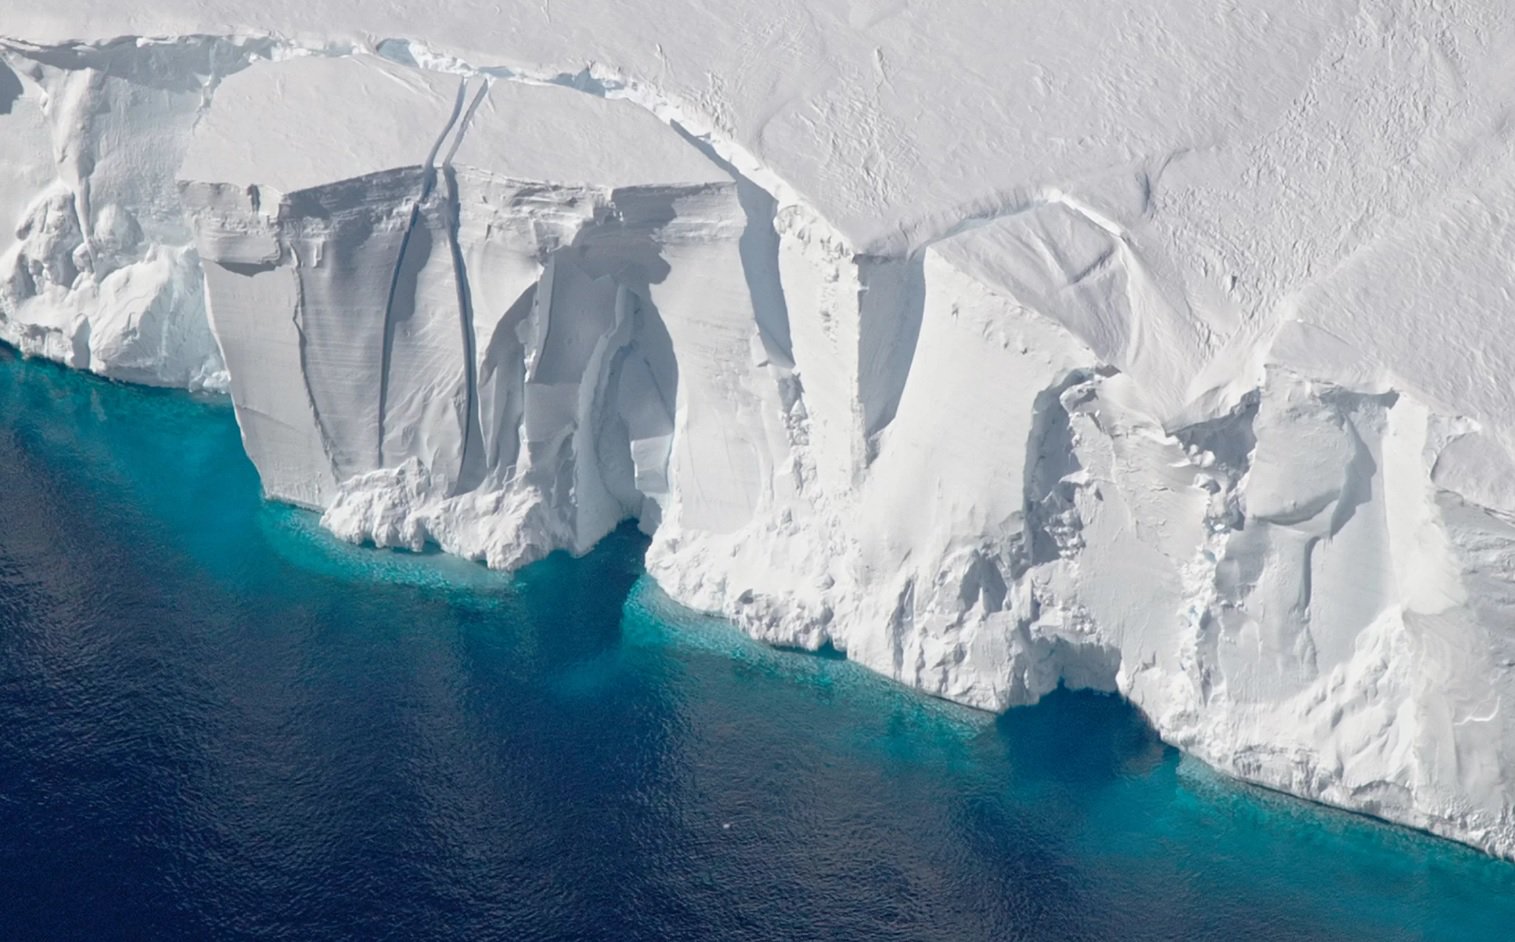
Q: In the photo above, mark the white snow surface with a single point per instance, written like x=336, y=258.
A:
x=1157, y=349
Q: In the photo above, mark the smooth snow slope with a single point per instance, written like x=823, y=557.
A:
x=1154, y=350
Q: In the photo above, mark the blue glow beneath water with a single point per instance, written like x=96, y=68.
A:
x=218, y=722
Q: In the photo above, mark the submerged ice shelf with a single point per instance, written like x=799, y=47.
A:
x=1205, y=407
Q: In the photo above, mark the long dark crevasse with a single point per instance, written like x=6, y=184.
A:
x=428, y=184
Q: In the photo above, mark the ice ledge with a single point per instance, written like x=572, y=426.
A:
x=1033, y=449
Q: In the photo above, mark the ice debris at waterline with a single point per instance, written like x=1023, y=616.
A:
x=1157, y=353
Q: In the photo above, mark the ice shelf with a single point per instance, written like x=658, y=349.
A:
x=1159, y=351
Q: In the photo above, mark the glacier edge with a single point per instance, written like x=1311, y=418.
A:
x=1026, y=450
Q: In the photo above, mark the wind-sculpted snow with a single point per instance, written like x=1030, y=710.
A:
x=1163, y=358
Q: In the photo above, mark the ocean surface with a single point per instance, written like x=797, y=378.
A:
x=218, y=723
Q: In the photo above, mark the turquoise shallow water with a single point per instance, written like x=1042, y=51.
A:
x=220, y=723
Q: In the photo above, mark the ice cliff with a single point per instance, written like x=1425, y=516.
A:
x=1163, y=355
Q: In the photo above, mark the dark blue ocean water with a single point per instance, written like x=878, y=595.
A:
x=219, y=723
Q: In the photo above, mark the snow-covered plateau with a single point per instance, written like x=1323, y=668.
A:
x=1156, y=348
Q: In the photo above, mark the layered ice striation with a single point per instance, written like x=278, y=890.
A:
x=1220, y=424
x=504, y=332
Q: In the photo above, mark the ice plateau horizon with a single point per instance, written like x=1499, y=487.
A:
x=1163, y=360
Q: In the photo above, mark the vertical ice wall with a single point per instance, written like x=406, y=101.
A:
x=505, y=329
x=96, y=263
x=1039, y=449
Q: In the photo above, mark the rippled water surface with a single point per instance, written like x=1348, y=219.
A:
x=219, y=723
